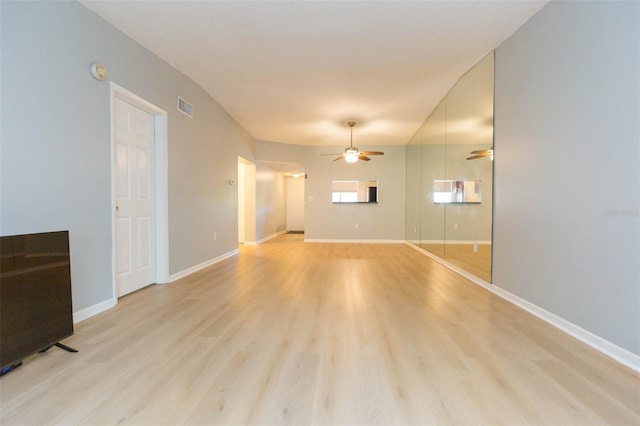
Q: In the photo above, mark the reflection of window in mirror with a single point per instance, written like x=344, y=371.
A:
x=354, y=191
x=456, y=191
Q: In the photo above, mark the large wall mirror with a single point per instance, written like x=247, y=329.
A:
x=450, y=198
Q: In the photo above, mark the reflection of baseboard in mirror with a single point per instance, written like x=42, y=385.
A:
x=354, y=191
x=457, y=192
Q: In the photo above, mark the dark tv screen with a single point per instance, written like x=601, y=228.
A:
x=35, y=294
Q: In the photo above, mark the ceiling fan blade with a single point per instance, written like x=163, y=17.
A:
x=363, y=157
x=480, y=153
x=372, y=153
x=339, y=158
x=332, y=154
x=474, y=157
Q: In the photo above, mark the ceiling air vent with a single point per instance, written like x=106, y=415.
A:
x=185, y=107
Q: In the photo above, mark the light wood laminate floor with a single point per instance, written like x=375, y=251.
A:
x=295, y=333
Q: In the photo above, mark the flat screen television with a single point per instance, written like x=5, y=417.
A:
x=35, y=294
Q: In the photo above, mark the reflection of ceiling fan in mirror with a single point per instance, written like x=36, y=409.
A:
x=351, y=154
x=481, y=153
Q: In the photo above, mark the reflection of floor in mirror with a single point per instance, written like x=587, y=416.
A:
x=463, y=256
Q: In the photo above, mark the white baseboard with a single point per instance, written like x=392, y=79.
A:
x=277, y=234
x=452, y=242
x=94, y=310
x=196, y=268
x=320, y=240
x=110, y=303
x=267, y=238
x=612, y=350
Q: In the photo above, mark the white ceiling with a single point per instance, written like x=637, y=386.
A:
x=297, y=71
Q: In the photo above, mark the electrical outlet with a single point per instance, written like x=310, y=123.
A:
x=356, y=226
x=215, y=235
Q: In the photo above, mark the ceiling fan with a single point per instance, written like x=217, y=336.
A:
x=481, y=153
x=351, y=154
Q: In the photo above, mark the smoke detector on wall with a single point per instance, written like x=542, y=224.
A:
x=98, y=71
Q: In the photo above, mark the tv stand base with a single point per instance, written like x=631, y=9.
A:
x=61, y=346
x=17, y=364
x=65, y=347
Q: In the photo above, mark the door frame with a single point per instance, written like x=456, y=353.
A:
x=160, y=177
x=288, y=181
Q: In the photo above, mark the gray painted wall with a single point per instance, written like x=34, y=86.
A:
x=382, y=221
x=279, y=152
x=56, y=142
x=324, y=220
x=566, y=221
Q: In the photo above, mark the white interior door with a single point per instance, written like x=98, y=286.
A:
x=134, y=189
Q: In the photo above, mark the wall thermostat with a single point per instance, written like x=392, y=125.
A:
x=98, y=71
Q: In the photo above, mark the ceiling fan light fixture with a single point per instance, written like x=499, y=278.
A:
x=351, y=153
x=351, y=156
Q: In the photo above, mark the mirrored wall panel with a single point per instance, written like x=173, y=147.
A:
x=450, y=175
x=413, y=188
x=432, y=168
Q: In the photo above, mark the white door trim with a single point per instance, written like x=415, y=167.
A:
x=248, y=169
x=160, y=175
